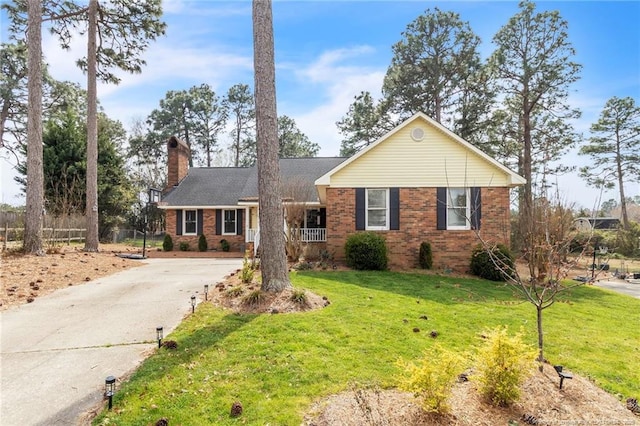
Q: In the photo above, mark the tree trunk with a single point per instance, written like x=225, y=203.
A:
x=623, y=201
x=35, y=173
x=91, y=208
x=540, y=338
x=273, y=261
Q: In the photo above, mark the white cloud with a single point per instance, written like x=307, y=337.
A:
x=341, y=83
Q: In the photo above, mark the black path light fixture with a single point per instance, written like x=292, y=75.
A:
x=154, y=198
x=193, y=304
x=110, y=389
x=206, y=291
x=159, y=335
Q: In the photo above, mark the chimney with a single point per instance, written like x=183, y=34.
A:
x=178, y=154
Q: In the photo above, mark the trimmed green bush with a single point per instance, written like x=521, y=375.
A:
x=503, y=364
x=483, y=266
x=167, y=243
x=225, y=245
x=202, y=243
x=184, y=246
x=366, y=251
x=425, y=257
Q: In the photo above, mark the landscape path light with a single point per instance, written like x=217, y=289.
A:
x=206, y=291
x=193, y=304
x=159, y=335
x=109, y=389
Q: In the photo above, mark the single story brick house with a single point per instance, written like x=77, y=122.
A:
x=419, y=182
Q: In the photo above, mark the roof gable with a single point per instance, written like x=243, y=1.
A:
x=438, y=158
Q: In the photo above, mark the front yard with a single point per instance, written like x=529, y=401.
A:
x=279, y=365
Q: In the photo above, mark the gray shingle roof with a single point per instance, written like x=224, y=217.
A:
x=225, y=186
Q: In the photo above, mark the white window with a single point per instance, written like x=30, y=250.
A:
x=458, y=208
x=229, y=222
x=377, y=208
x=190, y=222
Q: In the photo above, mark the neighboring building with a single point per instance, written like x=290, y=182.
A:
x=419, y=182
x=587, y=224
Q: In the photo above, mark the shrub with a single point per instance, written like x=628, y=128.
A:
x=299, y=296
x=483, y=266
x=425, y=257
x=247, y=271
x=184, y=246
x=202, y=243
x=366, y=251
x=234, y=291
x=303, y=266
x=432, y=378
x=225, y=245
x=167, y=243
x=256, y=297
x=503, y=363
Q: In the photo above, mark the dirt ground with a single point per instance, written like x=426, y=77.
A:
x=24, y=278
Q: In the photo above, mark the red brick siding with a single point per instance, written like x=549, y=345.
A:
x=209, y=230
x=451, y=249
x=177, y=162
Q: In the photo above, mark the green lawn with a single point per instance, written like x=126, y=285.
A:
x=277, y=365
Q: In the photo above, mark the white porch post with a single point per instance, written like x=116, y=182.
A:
x=247, y=223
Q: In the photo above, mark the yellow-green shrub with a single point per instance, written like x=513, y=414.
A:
x=502, y=364
x=431, y=379
x=247, y=271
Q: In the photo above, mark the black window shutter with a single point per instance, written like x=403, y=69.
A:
x=239, y=226
x=394, y=208
x=218, y=222
x=360, y=206
x=323, y=217
x=200, y=220
x=476, y=207
x=178, y=222
x=441, y=208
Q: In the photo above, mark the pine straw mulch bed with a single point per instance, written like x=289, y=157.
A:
x=541, y=403
x=24, y=278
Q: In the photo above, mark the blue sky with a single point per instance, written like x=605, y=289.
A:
x=329, y=51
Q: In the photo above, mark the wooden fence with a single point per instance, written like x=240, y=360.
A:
x=13, y=236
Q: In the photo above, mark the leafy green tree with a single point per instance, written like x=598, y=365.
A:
x=65, y=168
x=13, y=95
x=240, y=104
x=533, y=64
x=172, y=118
x=433, y=70
x=13, y=99
x=614, y=149
x=292, y=142
x=365, y=122
x=209, y=117
x=120, y=45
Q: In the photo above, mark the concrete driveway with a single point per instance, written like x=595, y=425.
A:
x=57, y=351
x=629, y=288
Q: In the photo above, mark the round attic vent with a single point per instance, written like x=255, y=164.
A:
x=417, y=134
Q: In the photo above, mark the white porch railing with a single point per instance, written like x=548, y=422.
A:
x=251, y=235
x=313, y=235
x=308, y=235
